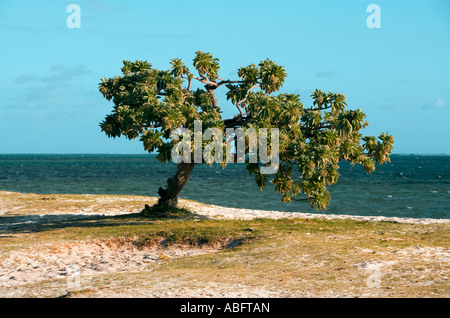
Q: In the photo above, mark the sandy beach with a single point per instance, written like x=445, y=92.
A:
x=215, y=211
x=64, y=261
x=202, y=209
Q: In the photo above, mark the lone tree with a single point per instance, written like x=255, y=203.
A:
x=151, y=104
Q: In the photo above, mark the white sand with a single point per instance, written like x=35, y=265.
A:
x=214, y=211
x=88, y=258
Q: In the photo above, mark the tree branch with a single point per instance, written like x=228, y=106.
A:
x=317, y=108
x=238, y=104
x=143, y=126
x=304, y=199
x=322, y=126
x=213, y=96
x=189, y=84
x=215, y=85
x=237, y=121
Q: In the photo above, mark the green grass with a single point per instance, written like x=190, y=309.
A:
x=162, y=212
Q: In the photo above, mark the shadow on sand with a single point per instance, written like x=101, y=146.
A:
x=38, y=223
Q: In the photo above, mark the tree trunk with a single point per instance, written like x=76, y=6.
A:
x=169, y=197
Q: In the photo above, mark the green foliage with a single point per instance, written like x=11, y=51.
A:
x=150, y=104
x=206, y=65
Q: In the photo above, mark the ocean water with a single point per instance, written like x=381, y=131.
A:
x=409, y=186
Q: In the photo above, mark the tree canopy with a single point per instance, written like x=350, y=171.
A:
x=150, y=104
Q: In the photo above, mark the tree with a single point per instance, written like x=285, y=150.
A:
x=151, y=104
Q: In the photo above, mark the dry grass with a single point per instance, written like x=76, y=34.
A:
x=31, y=203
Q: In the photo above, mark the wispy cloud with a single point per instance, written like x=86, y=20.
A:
x=327, y=73
x=165, y=35
x=27, y=78
x=439, y=103
x=59, y=94
x=64, y=73
x=58, y=73
x=104, y=7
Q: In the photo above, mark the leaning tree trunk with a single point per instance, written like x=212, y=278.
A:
x=169, y=197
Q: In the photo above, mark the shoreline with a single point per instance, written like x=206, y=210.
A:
x=202, y=209
x=216, y=211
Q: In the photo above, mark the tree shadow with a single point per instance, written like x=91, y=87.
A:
x=34, y=223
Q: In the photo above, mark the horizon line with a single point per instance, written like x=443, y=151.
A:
x=154, y=153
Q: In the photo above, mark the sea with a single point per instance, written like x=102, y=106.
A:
x=413, y=186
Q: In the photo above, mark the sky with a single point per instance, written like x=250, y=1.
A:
x=397, y=72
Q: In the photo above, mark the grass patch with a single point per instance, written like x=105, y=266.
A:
x=198, y=233
x=160, y=212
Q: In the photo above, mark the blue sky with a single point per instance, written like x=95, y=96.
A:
x=399, y=74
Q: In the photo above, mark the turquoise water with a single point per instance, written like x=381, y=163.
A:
x=410, y=186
